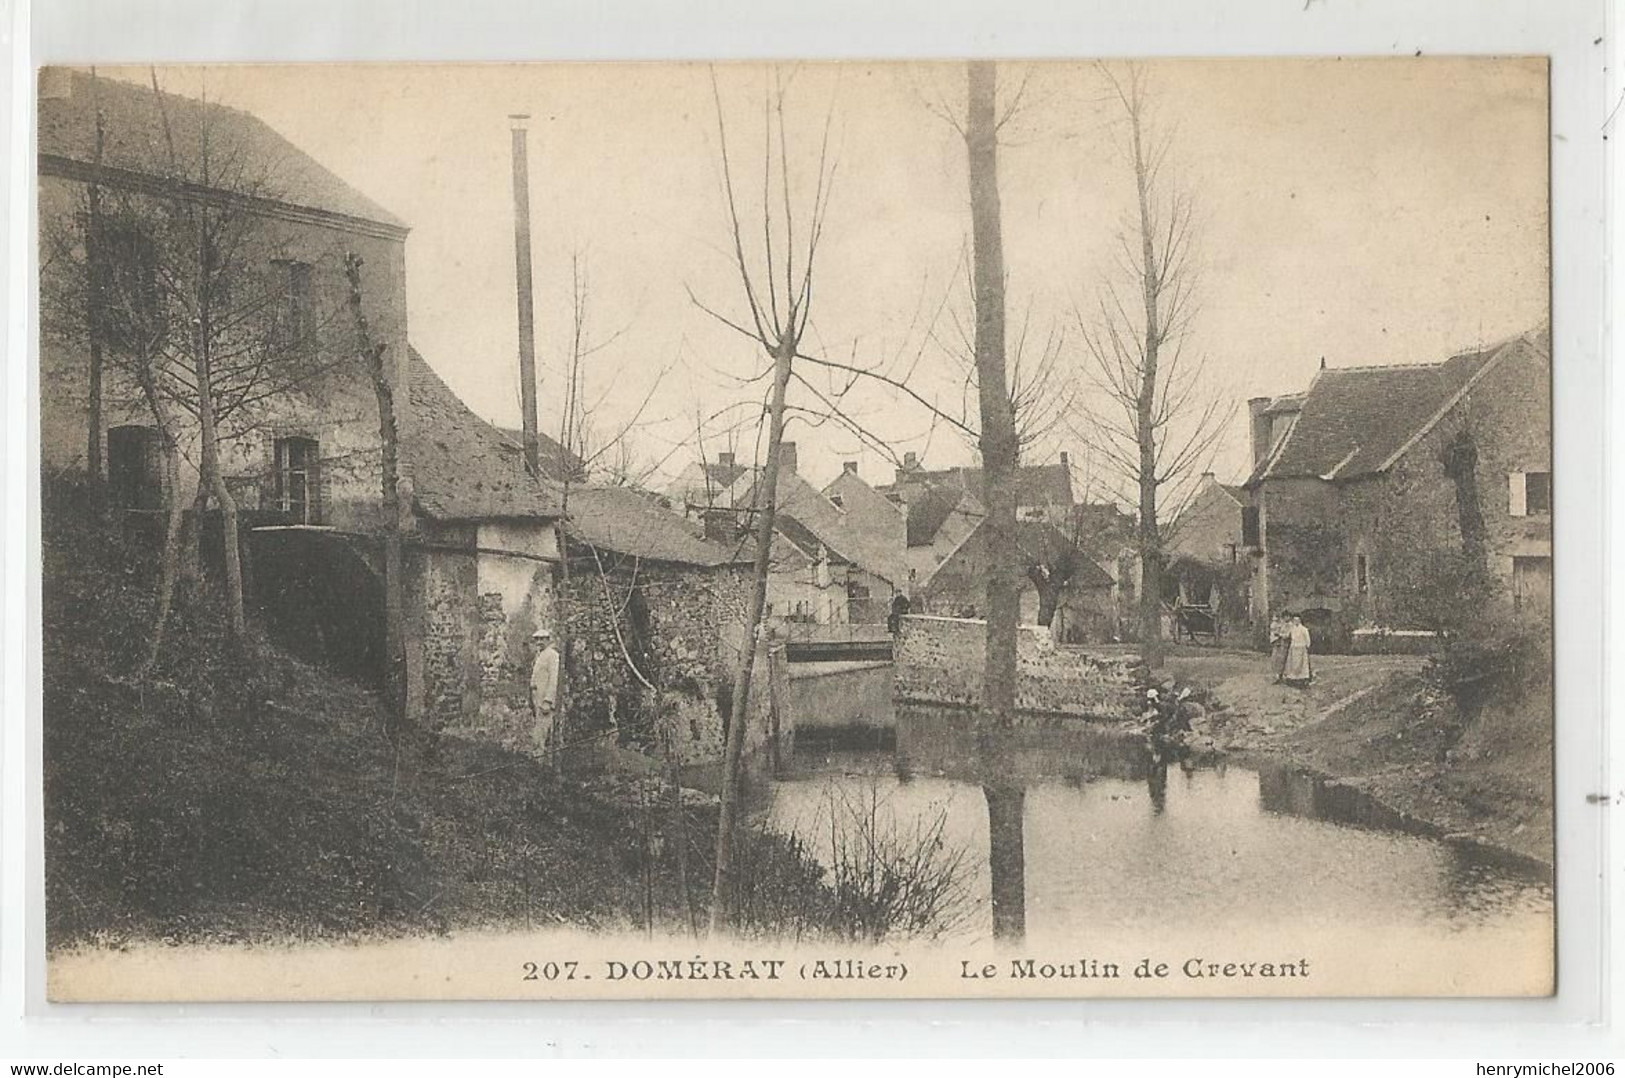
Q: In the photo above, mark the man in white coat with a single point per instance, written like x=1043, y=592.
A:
x=544, y=687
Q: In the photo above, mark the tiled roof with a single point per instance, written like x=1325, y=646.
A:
x=808, y=509
x=1353, y=419
x=1036, y=484
x=464, y=468
x=929, y=510
x=622, y=520
x=1040, y=543
x=244, y=151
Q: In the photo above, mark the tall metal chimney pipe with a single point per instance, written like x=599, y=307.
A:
x=527, y=302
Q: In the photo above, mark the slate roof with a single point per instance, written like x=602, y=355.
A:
x=622, y=520
x=1353, y=419
x=1036, y=484
x=464, y=468
x=244, y=149
x=1041, y=543
x=810, y=514
x=929, y=510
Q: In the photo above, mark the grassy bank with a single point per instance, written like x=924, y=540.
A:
x=1380, y=726
x=225, y=798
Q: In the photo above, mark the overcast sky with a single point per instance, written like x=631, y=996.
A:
x=1376, y=211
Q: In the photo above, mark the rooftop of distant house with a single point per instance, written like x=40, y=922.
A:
x=244, y=155
x=1036, y=484
x=624, y=521
x=463, y=467
x=1354, y=421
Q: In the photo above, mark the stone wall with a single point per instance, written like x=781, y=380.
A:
x=680, y=627
x=939, y=661
x=333, y=403
x=1404, y=523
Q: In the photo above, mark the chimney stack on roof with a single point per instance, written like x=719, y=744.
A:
x=725, y=459
x=1066, y=462
x=850, y=467
x=787, y=456
x=911, y=463
x=1260, y=428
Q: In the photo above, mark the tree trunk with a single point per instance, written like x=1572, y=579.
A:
x=1000, y=459
x=1049, y=595
x=169, y=559
x=766, y=505
x=1150, y=537
x=1007, y=857
x=1461, y=466
x=389, y=477
x=214, y=482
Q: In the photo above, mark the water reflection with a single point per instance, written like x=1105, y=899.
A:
x=1084, y=835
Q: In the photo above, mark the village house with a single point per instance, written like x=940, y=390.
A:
x=1209, y=528
x=308, y=455
x=481, y=563
x=837, y=556
x=1206, y=560
x=1362, y=483
x=1062, y=588
x=301, y=456
x=654, y=620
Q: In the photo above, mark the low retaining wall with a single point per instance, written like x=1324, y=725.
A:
x=939, y=661
x=844, y=702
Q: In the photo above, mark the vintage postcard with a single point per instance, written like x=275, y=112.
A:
x=542, y=531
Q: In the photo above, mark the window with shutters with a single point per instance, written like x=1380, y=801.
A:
x=298, y=480
x=1529, y=494
x=1537, y=493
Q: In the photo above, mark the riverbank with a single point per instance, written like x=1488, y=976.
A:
x=1371, y=723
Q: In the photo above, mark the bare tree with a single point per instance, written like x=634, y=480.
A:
x=1001, y=458
x=174, y=289
x=778, y=295
x=1156, y=429
x=372, y=356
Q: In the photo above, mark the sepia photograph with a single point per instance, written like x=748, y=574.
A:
x=811, y=530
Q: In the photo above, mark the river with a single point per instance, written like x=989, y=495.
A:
x=1118, y=849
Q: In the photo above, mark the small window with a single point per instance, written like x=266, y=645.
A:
x=295, y=301
x=1249, y=526
x=134, y=472
x=1362, y=574
x=297, y=480
x=1537, y=493
x=1230, y=549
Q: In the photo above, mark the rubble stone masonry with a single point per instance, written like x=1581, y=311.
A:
x=939, y=661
